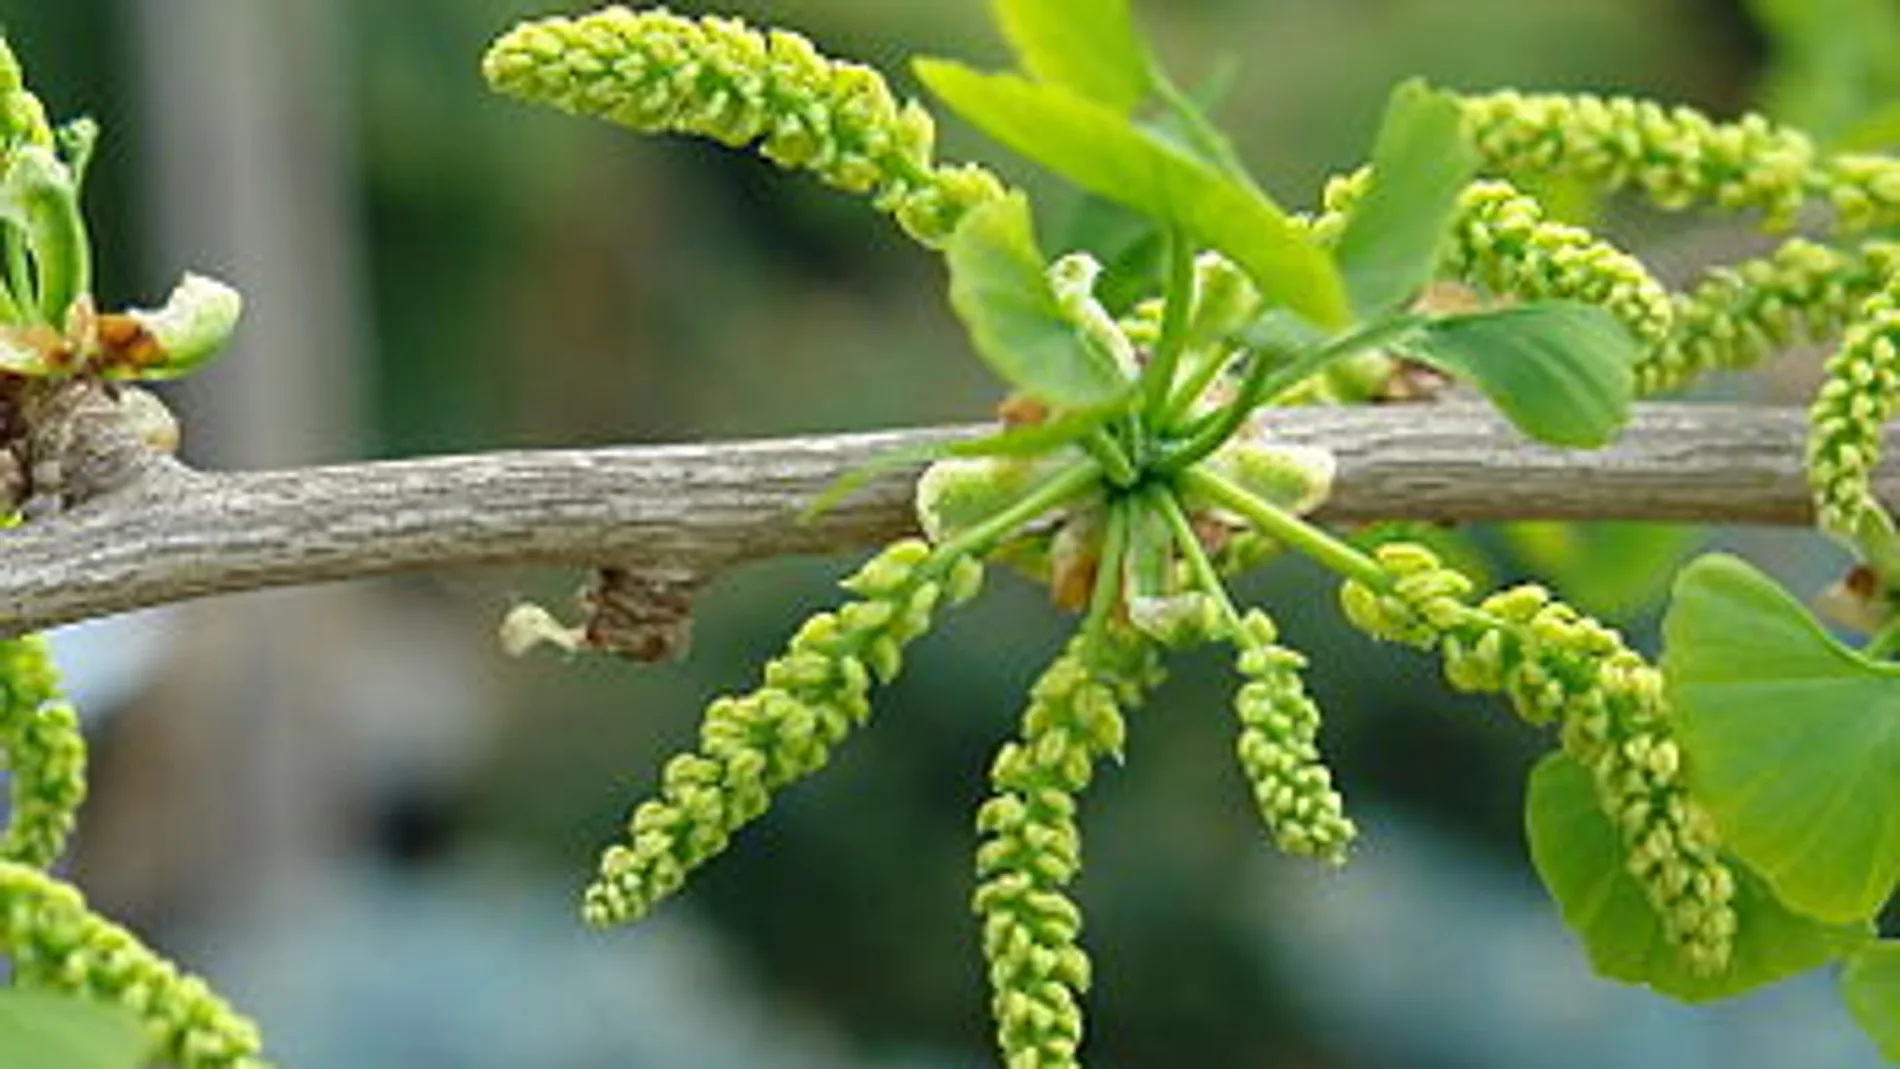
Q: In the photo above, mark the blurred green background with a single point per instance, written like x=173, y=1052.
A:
x=369, y=828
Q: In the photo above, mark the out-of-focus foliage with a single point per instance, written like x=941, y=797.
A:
x=1836, y=68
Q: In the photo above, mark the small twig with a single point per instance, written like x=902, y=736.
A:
x=64, y=442
x=694, y=510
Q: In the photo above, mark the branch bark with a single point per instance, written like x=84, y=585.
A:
x=694, y=510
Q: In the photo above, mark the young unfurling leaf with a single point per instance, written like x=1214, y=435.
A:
x=173, y=340
x=1420, y=164
x=39, y=195
x=1101, y=151
x=1088, y=45
x=1000, y=290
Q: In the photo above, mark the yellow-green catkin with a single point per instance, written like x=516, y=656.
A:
x=751, y=745
x=1032, y=846
x=1864, y=191
x=1501, y=240
x=1557, y=665
x=1743, y=313
x=654, y=71
x=56, y=943
x=43, y=752
x=1278, y=748
x=1675, y=156
x=1678, y=157
x=1845, y=421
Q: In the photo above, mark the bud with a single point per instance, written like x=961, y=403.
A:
x=1294, y=478
x=194, y=323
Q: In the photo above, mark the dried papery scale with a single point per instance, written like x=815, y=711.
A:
x=643, y=615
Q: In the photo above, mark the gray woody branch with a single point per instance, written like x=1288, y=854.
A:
x=165, y=533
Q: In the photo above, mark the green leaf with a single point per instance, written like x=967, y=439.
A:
x=1559, y=370
x=1283, y=337
x=999, y=288
x=1420, y=163
x=49, y=1030
x=1792, y=740
x=1088, y=45
x=1296, y=352
x=1186, y=123
x=1870, y=985
x=1102, y=152
x=1577, y=854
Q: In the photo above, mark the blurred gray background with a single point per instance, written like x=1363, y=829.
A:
x=369, y=828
